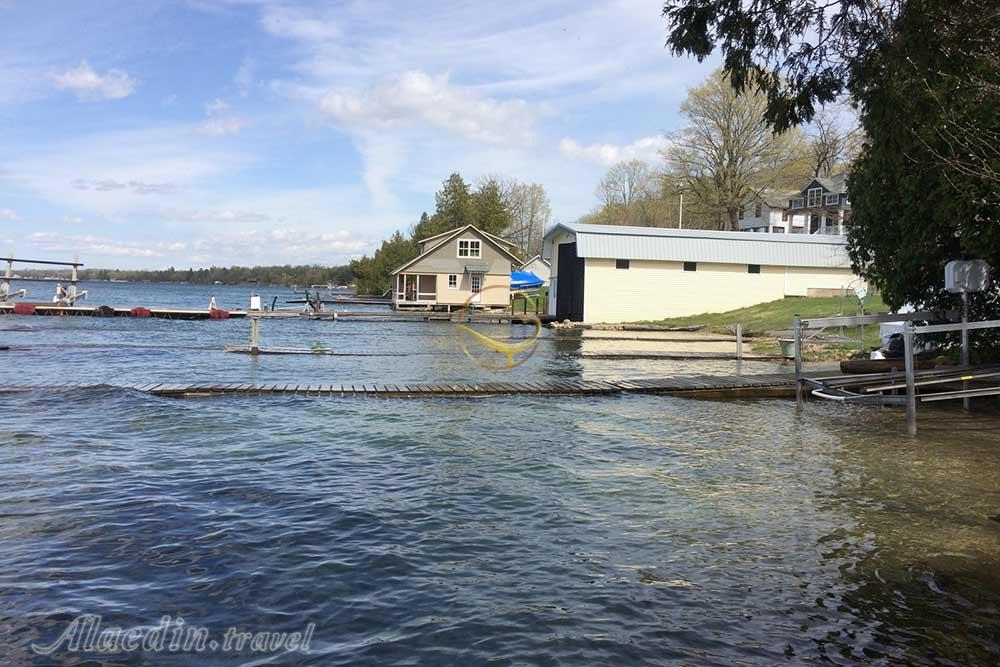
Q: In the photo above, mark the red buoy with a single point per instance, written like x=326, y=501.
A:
x=139, y=311
x=21, y=308
x=218, y=314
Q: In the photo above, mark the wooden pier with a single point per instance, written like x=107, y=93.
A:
x=695, y=386
x=56, y=310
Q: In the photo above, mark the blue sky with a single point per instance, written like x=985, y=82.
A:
x=201, y=132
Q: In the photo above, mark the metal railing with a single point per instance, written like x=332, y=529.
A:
x=799, y=324
x=909, y=331
x=963, y=373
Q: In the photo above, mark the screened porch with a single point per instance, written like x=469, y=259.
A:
x=416, y=289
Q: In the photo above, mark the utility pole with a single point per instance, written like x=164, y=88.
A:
x=680, y=213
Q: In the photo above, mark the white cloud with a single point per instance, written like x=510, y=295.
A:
x=134, y=186
x=218, y=127
x=416, y=96
x=98, y=245
x=9, y=214
x=89, y=85
x=216, y=107
x=298, y=23
x=647, y=149
x=244, y=78
x=112, y=174
x=220, y=122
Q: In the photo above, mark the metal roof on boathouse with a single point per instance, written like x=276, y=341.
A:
x=697, y=245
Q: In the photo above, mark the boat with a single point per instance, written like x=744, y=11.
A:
x=860, y=366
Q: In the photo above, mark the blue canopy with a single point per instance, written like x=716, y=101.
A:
x=524, y=280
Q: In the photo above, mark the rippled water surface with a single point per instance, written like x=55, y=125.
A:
x=518, y=530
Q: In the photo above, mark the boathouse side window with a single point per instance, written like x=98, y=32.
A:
x=453, y=281
x=757, y=211
x=469, y=248
x=621, y=264
x=753, y=268
x=690, y=266
x=476, y=283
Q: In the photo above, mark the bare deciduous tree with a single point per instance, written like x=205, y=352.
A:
x=530, y=212
x=834, y=140
x=727, y=148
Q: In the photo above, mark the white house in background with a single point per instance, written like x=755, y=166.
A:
x=538, y=266
x=822, y=207
x=603, y=273
x=769, y=211
x=825, y=204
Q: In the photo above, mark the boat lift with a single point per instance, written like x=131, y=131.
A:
x=960, y=278
x=65, y=296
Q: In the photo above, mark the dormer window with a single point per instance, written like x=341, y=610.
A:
x=797, y=203
x=831, y=200
x=813, y=197
x=470, y=248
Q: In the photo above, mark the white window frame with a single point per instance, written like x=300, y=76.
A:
x=476, y=283
x=831, y=199
x=470, y=245
x=452, y=278
x=814, y=197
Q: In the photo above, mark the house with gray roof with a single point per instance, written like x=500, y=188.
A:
x=460, y=268
x=605, y=273
x=821, y=207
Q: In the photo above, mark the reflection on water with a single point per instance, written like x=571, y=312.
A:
x=521, y=530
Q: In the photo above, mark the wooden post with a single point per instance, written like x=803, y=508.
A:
x=797, y=332
x=5, y=285
x=966, y=402
x=254, y=334
x=911, y=389
x=739, y=348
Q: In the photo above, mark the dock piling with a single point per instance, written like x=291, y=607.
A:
x=254, y=334
x=739, y=348
x=797, y=332
x=911, y=389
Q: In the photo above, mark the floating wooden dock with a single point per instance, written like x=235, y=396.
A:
x=51, y=309
x=700, y=386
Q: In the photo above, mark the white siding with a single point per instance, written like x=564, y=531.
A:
x=799, y=280
x=650, y=290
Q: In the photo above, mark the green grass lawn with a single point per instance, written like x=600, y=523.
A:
x=530, y=301
x=777, y=316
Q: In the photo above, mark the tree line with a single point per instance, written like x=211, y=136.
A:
x=505, y=207
x=725, y=152
x=924, y=78
x=230, y=275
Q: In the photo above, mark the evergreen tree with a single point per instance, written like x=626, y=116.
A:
x=453, y=206
x=372, y=275
x=490, y=212
x=424, y=228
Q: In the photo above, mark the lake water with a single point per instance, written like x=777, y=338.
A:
x=508, y=531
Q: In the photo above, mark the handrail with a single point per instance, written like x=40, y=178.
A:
x=958, y=326
x=855, y=320
x=39, y=261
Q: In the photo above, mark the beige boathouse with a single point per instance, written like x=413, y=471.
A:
x=459, y=268
x=603, y=273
